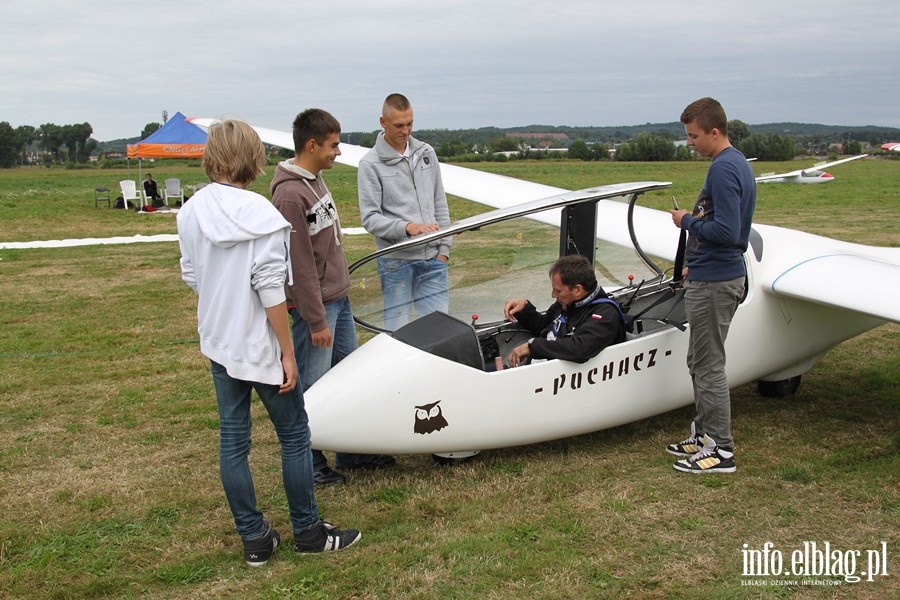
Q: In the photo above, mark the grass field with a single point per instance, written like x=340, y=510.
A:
x=108, y=438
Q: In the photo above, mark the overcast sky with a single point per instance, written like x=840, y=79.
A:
x=117, y=64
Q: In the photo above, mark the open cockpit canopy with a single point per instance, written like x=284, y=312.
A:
x=507, y=252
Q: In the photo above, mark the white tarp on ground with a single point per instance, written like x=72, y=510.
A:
x=163, y=237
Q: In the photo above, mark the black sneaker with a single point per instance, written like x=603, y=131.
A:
x=710, y=459
x=688, y=447
x=324, y=537
x=370, y=463
x=328, y=476
x=258, y=551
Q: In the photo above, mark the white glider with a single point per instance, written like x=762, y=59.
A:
x=423, y=388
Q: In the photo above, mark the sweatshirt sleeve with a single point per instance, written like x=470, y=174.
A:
x=725, y=226
x=269, y=268
x=442, y=211
x=187, y=266
x=188, y=229
x=305, y=292
x=371, y=210
x=531, y=319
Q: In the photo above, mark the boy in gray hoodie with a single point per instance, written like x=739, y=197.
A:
x=401, y=195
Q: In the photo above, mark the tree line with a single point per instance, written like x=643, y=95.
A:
x=658, y=144
x=768, y=147
x=648, y=142
x=62, y=143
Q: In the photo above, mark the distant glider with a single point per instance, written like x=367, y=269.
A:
x=814, y=174
x=891, y=147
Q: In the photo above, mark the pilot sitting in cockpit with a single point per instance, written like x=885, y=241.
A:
x=582, y=322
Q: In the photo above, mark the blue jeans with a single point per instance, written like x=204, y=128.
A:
x=313, y=362
x=407, y=283
x=288, y=415
x=709, y=307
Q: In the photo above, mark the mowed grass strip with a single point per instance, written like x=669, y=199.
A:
x=109, y=442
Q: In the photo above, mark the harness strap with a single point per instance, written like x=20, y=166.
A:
x=678, y=275
x=665, y=298
x=618, y=309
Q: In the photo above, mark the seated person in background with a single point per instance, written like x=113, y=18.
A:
x=577, y=326
x=151, y=191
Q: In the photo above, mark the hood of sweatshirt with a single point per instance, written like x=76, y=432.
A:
x=228, y=215
x=288, y=171
x=389, y=155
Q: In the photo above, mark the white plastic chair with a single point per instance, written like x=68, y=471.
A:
x=130, y=193
x=173, y=190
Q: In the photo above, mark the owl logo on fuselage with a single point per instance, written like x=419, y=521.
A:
x=429, y=418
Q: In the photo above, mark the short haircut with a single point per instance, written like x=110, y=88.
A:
x=315, y=124
x=233, y=152
x=397, y=102
x=573, y=270
x=707, y=114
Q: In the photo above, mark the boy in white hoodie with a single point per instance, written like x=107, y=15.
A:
x=234, y=249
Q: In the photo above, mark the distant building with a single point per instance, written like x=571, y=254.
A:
x=541, y=141
x=558, y=137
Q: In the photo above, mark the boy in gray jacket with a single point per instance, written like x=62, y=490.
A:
x=401, y=195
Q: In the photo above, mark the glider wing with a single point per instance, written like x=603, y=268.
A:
x=848, y=281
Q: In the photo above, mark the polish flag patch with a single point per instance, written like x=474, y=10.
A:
x=598, y=317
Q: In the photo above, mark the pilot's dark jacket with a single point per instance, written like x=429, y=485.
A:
x=577, y=333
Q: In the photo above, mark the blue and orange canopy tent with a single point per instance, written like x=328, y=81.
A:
x=176, y=139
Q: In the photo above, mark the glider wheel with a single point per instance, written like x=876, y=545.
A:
x=454, y=458
x=778, y=389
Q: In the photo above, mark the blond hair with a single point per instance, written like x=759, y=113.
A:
x=234, y=153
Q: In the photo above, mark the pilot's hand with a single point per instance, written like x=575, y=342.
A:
x=413, y=229
x=519, y=355
x=514, y=306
